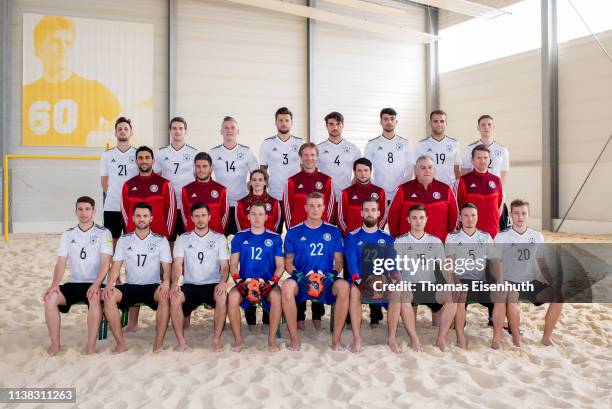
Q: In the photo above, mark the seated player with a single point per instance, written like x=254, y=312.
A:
x=256, y=265
x=368, y=233
x=89, y=249
x=469, y=243
x=313, y=257
x=520, y=259
x=146, y=256
x=428, y=249
x=201, y=257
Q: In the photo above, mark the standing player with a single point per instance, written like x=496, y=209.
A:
x=483, y=189
x=392, y=156
x=89, y=249
x=313, y=248
x=117, y=165
x=437, y=197
x=232, y=164
x=257, y=254
x=153, y=189
x=298, y=187
x=205, y=190
x=147, y=258
x=499, y=163
x=201, y=257
x=522, y=258
x=443, y=149
x=368, y=233
x=175, y=163
x=336, y=154
x=279, y=156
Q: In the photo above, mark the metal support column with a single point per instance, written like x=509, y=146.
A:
x=172, y=43
x=432, y=87
x=310, y=28
x=5, y=72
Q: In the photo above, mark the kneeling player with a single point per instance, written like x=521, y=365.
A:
x=256, y=265
x=313, y=257
x=367, y=234
x=89, y=249
x=146, y=256
x=428, y=252
x=521, y=259
x=202, y=257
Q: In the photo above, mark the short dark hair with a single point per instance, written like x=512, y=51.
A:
x=362, y=161
x=468, y=205
x=437, y=112
x=307, y=145
x=482, y=148
x=416, y=207
x=257, y=203
x=334, y=115
x=518, y=203
x=315, y=195
x=485, y=116
x=203, y=156
x=122, y=119
x=177, y=119
x=228, y=118
x=388, y=111
x=143, y=205
x=370, y=199
x=85, y=199
x=144, y=149
x=199, y=205
x=283, y=111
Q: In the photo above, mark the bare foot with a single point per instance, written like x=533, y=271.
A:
x=337, y=346
x=157, y=348
x=356, y=345
x=272, y=345
x=131, y=328
x=182, y=346
x=441, y=343
x=516, y=342
x=252, y=328
x=496, y=344
x=317, y=324
x=122, y=347
x=90, y=349
x=294, y=345
x=53, y=349
x=237, y=345
x=462, y=343
x=547, y=342
x=301, y=325
x=216, y=344
x=393, y=346
x=416, y=344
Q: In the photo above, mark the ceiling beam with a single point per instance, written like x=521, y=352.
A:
x=468, y=8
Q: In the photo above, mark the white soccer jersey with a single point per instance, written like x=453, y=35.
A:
x=462, y=246
x=201, y=256
x=232, y=168
x=142, y=257
x=445, y=154
x=500, y=158
x=336, y=161
x=282, y=160
x=119, y=167
x=519, y=254
x=177, y=166
x=392, y=162
x=83, y=250
x=428, y=247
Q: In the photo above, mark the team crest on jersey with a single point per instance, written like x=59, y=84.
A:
x=492, y=184
x=210, y=245
x=531, y=240
x=268, y=207
x=294, y=148
x=398, y=146
x=327, y=237
x=154, y=188
x=186, y=157
x=375, y=196
x=381, y=241
x=268, y=243
x=497, y=154
x=449, y=148
x=93, y=240
x=214, y=194
x=436, y=195
x=240, y=156
x=152, y=247
x=319, y=185
x=346, y=149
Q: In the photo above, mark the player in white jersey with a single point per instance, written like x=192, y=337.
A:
x=279, y=156
x=428, y=250
x=443, y=149
x=88, y=248
x=522, y=258
x=392, y=156
x=201, y=257
x=147, y=257
x=175, y=163
x=232, y=164
x=337, y=155
x=473, y=246
x=500, y=158
x=117, y=165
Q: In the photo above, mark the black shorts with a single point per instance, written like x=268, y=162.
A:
x=479, y=297
x=73, y=293
x=196, y=295
x=427, y=298
x=231, y=227
x=179, y=228
x=281, y=222
x=137, y=294
x=113, y=221
x=532, y=296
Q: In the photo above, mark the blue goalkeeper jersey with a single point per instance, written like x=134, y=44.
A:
x=257, y=253
x=361, y=248
x=313, y=248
